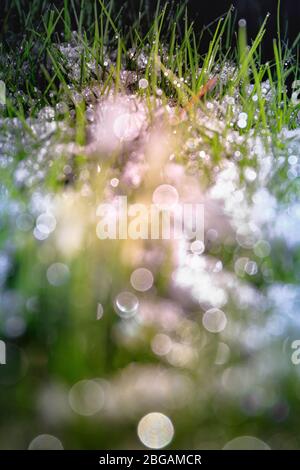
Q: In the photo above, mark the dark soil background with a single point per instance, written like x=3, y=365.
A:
x=203, y=12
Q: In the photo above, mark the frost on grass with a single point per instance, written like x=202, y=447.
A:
x=219, y=300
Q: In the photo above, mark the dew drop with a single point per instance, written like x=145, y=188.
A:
x=126, y=304
x=214, y=320
x=141, y=279
x=155, y=430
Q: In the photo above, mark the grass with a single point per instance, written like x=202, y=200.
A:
x=171, y=48
x=177, y=41
x=203, y=96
